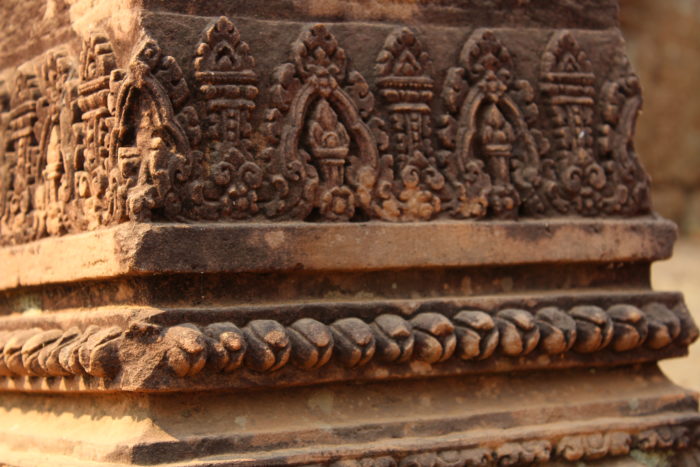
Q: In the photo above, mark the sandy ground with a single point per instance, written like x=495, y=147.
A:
x=681, y=273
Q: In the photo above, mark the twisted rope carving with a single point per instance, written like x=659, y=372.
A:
x=266, y=345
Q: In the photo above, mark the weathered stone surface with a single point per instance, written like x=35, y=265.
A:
x=360, y=233
x=136, y=249
x=483, y=417
x=586, y=14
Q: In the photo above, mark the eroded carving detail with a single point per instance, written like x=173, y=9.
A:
x=594, y=446
x=149, y=151
x=569, y=447
x=664, y=437
x=55, y=158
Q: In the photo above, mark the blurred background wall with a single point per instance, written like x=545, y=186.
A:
x=663, y=41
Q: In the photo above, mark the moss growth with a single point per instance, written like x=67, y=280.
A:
x=653, y=459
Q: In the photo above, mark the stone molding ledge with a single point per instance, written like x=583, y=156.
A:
x=667, y=434
x=138, y=249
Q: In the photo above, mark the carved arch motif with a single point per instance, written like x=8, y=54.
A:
x=495, y=154
x=326, y=158
x=56, y=161
x=105, y=145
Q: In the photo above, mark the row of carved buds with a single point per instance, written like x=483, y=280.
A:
x=580, y=447
x=267, y=345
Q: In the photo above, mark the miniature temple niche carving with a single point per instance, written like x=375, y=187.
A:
x=568, y=86
x=23, y=215
x=324, y=103
x=225, y=73
x=92, y=167
x=410, y=182
x=494, y=150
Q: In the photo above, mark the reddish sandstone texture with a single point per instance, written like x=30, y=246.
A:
x=364, y=233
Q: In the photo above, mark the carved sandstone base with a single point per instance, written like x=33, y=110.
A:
x=340, y=232
x=313, y=345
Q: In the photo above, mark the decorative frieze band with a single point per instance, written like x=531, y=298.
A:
x=105, y=145
x=265, y=346
x=573, y=448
